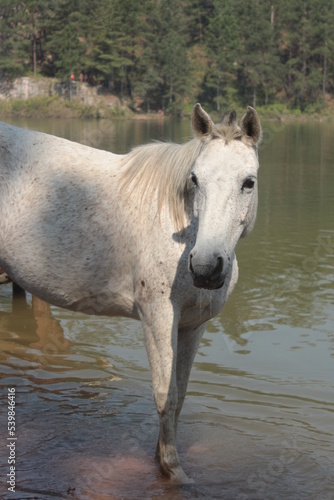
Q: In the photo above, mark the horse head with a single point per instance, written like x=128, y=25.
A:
x=224, y=180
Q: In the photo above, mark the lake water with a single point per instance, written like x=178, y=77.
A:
x=258, y=421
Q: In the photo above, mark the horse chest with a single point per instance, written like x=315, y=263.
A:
x=201, y=307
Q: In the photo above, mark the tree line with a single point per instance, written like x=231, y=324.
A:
x=164, y=54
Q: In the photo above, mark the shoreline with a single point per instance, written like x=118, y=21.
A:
x=56, y=107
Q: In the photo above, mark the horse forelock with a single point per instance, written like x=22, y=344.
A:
x=163, y=169
x=227, y=132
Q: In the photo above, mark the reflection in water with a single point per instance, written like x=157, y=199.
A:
x=258, y=420
x=30, y=333
x=118, y=136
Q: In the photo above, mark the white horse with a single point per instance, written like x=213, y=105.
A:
x=148, y=235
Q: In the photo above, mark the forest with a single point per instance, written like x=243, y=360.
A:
x=168, y=54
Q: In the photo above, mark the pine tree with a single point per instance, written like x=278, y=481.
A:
x=108, y=35
x=147, y=69
x=198, y=14
x=295, y=25
x=258, y=61
x=222, y=41
x=321, y=43
x=14, y=43
x=37, y=13
x=172, y=53
x=64, y=38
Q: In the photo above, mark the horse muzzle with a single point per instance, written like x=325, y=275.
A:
x=209, y=276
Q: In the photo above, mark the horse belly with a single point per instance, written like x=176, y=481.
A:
x=80, y=291
x=66, y=272
x=107, y=303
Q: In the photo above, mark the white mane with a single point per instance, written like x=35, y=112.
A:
x=162, y=169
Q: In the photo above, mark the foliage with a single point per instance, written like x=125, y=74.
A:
x=166, y=54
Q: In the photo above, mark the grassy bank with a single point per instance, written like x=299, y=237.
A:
x=56, y=107
x=282, y=112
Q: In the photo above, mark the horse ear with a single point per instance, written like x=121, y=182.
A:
x=250, y=126
x=201, y=122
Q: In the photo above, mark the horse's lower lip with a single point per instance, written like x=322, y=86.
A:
x=207, y=284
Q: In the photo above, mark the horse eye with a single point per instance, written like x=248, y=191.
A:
x=194, y=179
x=248, y=184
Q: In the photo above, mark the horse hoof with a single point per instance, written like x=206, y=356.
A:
x=179, y=477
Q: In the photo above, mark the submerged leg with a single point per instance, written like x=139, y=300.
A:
x=17, y=290
x=19, y=300
x=160, y=327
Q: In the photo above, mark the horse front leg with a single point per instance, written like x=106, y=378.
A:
x=188, y=342
x=161, y=331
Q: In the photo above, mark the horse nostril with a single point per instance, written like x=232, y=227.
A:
x=190, y=263
x=219, y=266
